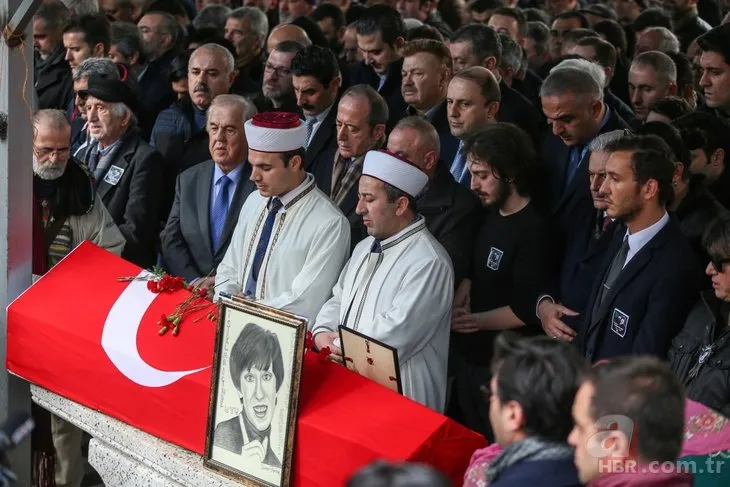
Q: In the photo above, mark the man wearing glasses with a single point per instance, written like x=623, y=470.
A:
x=67, y=211
x=278, y=87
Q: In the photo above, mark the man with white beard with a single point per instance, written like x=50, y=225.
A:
x=68, y=208
x=67, y=211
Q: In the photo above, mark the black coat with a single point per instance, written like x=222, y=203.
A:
x=155, y=85
x=53, y=81
x=618, y=106
x=361, y=73
x=453, y=215
x=516, y=109
x=648, y=302
x=688, y=28
x=705, y=330
x=695, y=213
x=187, y=249
x=581, y=264
x=324, y=139
x=134, y=200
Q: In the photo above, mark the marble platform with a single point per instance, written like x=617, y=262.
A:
x=127, y=457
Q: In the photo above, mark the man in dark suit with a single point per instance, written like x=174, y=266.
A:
x=452, y=212
x=317, y=81
x=160, y=33
x=380, y=37
x=479, y=45
x=426, y=74
x=361, y=117
x=561, y=307
x=649, y=279
x=209, y=196
x=257, y=371
x=572, y=101
x=127, y=170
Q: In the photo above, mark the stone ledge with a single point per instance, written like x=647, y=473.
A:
x=127, y=457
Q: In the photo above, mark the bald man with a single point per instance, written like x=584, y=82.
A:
x=287, y=32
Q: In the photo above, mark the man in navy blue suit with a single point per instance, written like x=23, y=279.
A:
x=649, y=278
x=562, y=308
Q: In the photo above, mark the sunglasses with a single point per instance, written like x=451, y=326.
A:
x=719, y=264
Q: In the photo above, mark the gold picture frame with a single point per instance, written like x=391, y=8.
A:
x=252, y=417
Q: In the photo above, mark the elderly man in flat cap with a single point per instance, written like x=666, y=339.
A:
x=126, y=169
x=291, y=240
x=399, y=283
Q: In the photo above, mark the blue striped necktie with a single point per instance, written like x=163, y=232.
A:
x=458, y=166
x=258, y=258
x=220, y=211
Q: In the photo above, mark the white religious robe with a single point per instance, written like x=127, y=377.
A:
x=309, y=245
x=402, y=297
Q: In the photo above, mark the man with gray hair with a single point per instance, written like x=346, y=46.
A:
x=95, y=66
x=247, y=28
x=652, y=76
x=587, y=242
x=212, y=16
x=125, y=46
x=179, y=132
x=218, y=186
x=126, y=169
x=657, y=39
x=572, y=101
x=67, y=211
x=160, y=34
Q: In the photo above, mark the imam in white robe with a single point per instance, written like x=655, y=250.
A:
x=401, y=296
x=309, y=244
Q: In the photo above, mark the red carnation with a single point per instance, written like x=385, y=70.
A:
x=153, y=286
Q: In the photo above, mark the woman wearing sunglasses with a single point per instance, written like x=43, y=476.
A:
x=700, y=354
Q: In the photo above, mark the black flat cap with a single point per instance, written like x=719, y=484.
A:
x=112, y=91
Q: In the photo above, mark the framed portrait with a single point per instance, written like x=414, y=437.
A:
x=254, y=392
x=371, y=358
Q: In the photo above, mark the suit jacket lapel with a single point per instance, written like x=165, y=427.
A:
x=579, y=178
x=322, y=134
x=203, y=202
x=122, y=159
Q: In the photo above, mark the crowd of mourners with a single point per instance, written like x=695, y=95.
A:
x=528, y=199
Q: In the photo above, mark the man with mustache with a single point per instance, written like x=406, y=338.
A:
x=513, y=257
x=291, y=241
x=179, y=133
x=317, y=81
x=67, y=211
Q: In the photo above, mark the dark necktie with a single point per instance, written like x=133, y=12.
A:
x=573, y=163
x=258, y=258
x=94, y=160
x=220, y=211
x=617, y=265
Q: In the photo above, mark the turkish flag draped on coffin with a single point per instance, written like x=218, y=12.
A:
x=82, y=334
